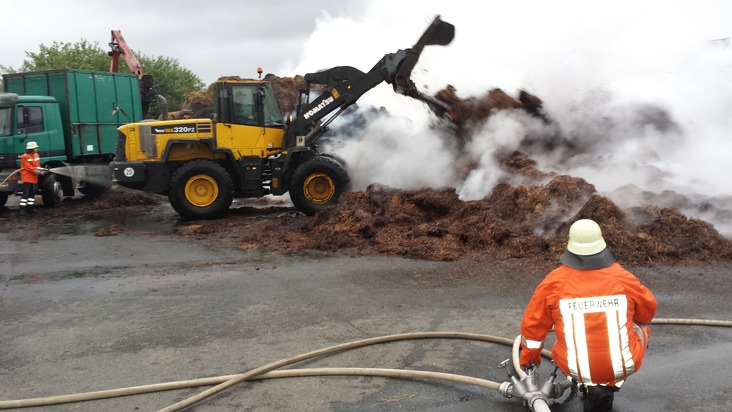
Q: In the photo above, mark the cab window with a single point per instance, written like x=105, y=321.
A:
x=245, y=108
x=30, y=120
x=6, y=122
x=272, y=114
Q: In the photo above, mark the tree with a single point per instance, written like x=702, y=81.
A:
x=81, y=55
x=171, y=80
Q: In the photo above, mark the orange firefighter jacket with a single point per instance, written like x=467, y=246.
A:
x=592, y=312
x=28, y=164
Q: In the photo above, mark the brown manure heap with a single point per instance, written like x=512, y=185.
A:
x=529, y=220
x=526, y=221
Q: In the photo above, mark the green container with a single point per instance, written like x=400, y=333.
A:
x=92, y=106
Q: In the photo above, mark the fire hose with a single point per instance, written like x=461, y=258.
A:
x=9, y=176
x=39, y=170
x=523, y=385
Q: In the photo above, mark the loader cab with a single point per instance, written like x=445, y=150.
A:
x=248, y=118
x=247, y=102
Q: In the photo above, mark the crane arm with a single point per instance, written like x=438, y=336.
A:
x=119, y=47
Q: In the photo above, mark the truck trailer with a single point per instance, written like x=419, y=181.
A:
x=73, y=115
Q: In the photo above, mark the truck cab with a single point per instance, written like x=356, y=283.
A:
x=73, y=115
x=28, y=118
x=24, y=119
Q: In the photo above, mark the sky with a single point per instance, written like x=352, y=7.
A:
x=641, y=84
x=229, y=37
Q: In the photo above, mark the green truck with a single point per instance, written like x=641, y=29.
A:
x=73, y=115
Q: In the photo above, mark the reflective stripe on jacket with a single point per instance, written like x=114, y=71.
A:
x=28, y=164
x=592, y=313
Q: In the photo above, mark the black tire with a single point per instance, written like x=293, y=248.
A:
x=317, y=184
x=201, y=189
x=335, y=158
x=51, y=190
x=4, y=198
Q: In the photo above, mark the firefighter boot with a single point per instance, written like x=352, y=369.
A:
x=598, y=398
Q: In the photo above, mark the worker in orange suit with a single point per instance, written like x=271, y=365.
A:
x=600, y=314
x=30, y=163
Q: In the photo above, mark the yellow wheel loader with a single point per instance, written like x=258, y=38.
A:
x=247, y=150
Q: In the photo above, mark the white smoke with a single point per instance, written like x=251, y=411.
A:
x=639, y=86
x=397, y=152
x=502, y=131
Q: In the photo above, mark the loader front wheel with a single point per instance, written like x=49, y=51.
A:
x=317, y=184
x=201, y=189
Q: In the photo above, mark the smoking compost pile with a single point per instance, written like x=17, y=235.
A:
x=529, y=220
x=526, y=221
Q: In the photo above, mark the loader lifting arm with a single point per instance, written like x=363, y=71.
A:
x=345, y=85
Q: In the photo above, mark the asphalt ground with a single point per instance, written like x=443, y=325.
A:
x=81, y=312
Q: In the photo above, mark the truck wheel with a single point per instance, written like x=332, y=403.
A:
x=4, y=198
x=201, y=189
x=51, y=191
x=317, y=184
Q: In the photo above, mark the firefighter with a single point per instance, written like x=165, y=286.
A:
x=30, y=167
x=600, y=314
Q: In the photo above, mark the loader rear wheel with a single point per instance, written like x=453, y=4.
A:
x=317, y=184
x=201, y=189
x=4, y=198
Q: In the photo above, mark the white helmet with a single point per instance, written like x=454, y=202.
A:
x=585, y=238
x=31, y=145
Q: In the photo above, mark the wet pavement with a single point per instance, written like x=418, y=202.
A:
x=80, y=311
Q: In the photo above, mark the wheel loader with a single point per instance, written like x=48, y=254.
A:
x=247, y=150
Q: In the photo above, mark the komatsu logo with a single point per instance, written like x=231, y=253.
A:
x=319, y=107
x=176, y=128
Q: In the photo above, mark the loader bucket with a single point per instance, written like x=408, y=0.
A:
x=438, y=33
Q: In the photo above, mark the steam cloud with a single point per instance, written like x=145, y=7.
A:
x=641, y=93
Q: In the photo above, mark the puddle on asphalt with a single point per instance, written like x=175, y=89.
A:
x=157, y=219
x=160, y=219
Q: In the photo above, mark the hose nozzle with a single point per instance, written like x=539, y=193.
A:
x=529, y=389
